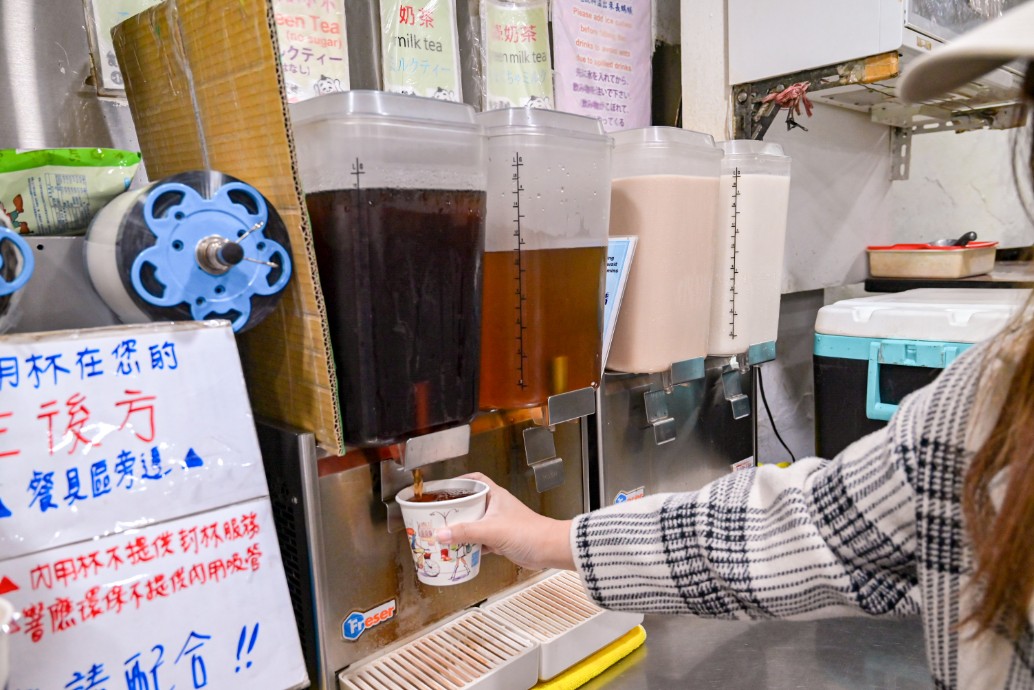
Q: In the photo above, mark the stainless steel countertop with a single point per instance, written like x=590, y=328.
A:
x=838, y=653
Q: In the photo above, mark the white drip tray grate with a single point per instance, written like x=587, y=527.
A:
x=560, y=616
x=472, y=651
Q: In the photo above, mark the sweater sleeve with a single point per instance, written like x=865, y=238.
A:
x=820, y=538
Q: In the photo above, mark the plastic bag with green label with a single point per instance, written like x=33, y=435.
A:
x=58, y=191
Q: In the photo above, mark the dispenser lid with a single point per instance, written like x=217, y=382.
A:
x=381, y=104
x=665, y=151
x=664, y=136
x=507, y=121
x=751, y=147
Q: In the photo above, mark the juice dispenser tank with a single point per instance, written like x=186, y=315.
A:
x=548, y=203
x=395, y=188
x=755, y=193
x=665, y=191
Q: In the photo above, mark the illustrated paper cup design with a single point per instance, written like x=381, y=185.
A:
x=443, y=564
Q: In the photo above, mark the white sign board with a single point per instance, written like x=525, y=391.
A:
x=119, y=428
x=136, y=536
x=199, y=602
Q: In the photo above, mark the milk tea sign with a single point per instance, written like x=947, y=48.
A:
x=136, y=534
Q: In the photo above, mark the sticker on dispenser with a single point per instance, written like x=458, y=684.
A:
x=620, y=251
x=744, y=464
x=358, y=622
x=633, y=495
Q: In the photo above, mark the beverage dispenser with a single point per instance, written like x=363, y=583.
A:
x=755, y=192
x=665, y=191
x=395, y=188
x=548, y=205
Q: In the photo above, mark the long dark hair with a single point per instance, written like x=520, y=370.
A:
x=1001, y=534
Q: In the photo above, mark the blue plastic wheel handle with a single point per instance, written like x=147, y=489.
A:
x=28, y=263
x=182, y=226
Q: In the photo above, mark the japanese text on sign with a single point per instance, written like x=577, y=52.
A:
x=603, y=67
x=420, y=48
x=518, y=69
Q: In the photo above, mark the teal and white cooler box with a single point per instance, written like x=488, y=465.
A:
x=870, y=352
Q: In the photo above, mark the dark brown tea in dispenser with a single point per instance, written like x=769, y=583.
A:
x=548, y=207
x=395, y=188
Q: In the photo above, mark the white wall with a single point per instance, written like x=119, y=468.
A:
x=960, y=182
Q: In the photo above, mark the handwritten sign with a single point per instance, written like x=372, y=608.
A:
x=120, y=428
x=603, y=50
x=136, y=536
x=199, y=602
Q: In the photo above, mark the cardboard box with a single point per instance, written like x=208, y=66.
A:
x=206, y=91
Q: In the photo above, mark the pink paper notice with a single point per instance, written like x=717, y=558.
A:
x=602, y=57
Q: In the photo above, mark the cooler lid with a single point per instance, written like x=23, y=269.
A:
x=381, y=104
x=960, y=315
x=506, y=121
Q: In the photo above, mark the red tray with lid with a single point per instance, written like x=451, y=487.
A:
x=931, y=261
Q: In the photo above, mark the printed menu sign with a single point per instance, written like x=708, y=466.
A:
x=518, y=66
x=313, y=54
x=136, y=533
x=620, y=251
x=420, y=48
x=602, y=52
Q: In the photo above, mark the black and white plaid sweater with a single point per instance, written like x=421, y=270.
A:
x=878, y=530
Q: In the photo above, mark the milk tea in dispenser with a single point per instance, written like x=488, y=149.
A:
x=395, y=188
x=665, y=191
x=546, y=238
x=755, y=194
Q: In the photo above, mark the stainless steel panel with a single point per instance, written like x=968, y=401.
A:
x=60, y=295
x=707, y=437
x=45, y=76
x=833, y=654
x=359, y=564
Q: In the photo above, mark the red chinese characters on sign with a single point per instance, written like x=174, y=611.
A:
x=515, y=33
x=63, y=612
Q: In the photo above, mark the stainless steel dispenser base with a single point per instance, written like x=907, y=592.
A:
x=341, y=560
x=706, y=438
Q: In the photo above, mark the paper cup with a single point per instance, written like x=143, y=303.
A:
x=443, y=564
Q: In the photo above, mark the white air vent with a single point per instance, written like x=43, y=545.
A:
x=472, y=651
x=566, y=623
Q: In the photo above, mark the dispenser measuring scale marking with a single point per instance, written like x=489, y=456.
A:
x=733, y=247
x=522, y=298
x=198, y=245
x=545, y=249
x=755, y=188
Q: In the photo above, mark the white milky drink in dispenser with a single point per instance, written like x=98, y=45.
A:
x=755, y=193
x=665, y=191
x=395, y=189
x=545, y=247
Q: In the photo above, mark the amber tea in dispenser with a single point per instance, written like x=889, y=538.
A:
x=395, y=188
x=546, y=240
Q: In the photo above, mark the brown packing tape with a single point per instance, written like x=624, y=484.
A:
x=205, y=88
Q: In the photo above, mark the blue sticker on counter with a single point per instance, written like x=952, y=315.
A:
x=634, y=494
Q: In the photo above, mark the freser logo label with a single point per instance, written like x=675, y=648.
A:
x=358, y=622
